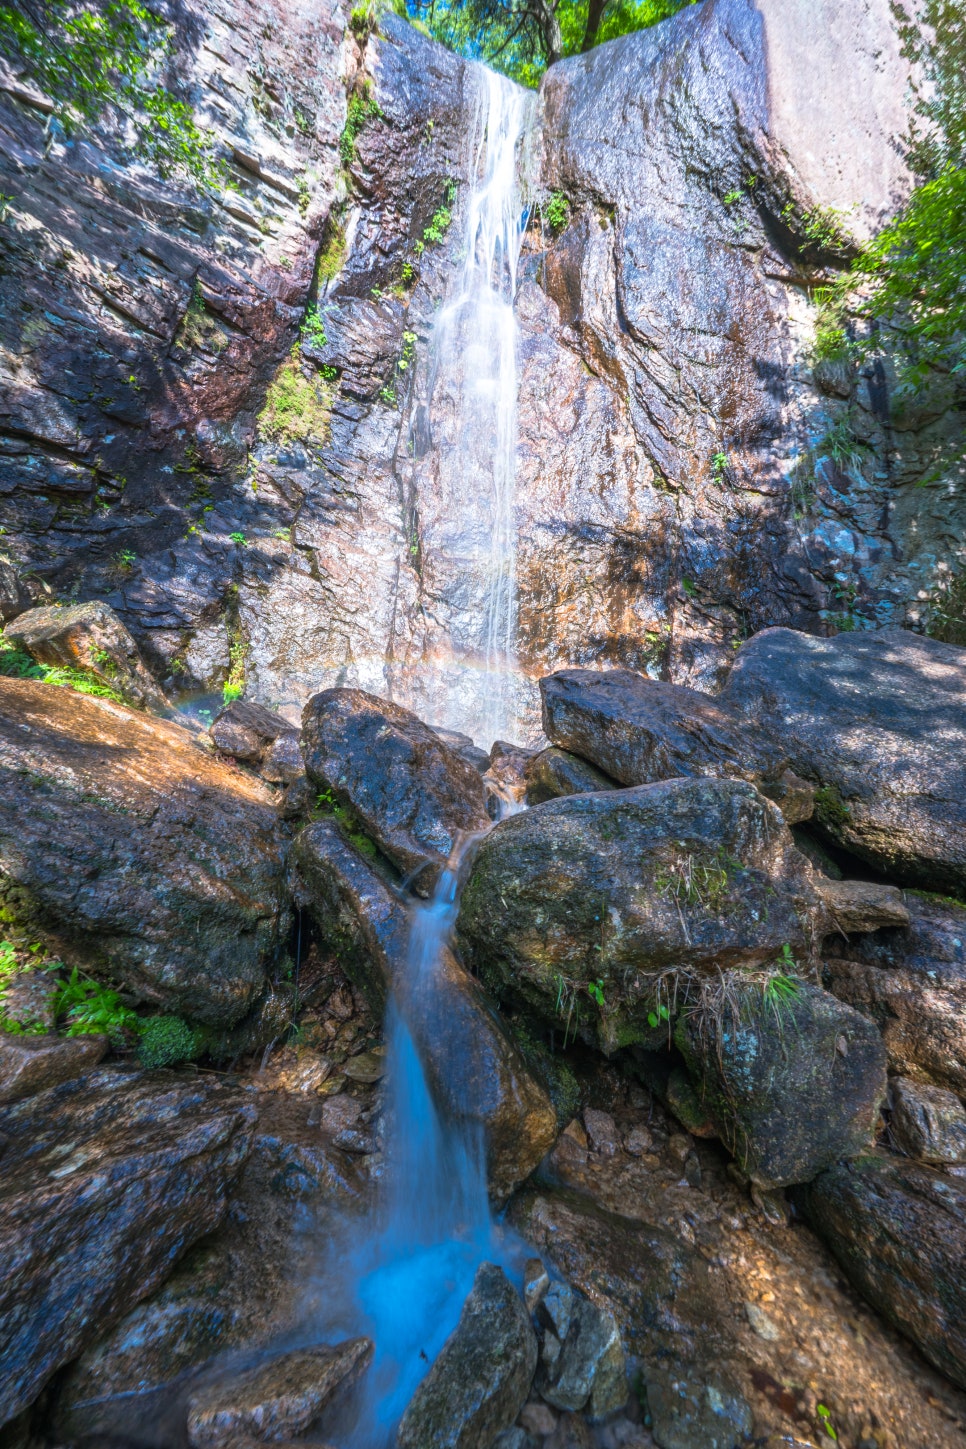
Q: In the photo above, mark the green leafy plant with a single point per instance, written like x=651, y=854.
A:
x=16, y=664
x=85, y=1007
x=655, y=1018
x=93, y=59
x=595, y=990
x=557, y=211
x=719, y=466
x=731, y=197
x=313, y=329
x=362, y=107
x=824, y=1416
x=239, y=538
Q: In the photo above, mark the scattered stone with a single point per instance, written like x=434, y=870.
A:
x=791, y=1083
x=366, y=1067
x=898, y=1229
x=911, y=982
x=340, y=1112
x=554, y=772
x=482, y=1376
x=247, y=731
x=860, y=905
x=573, y=908
x=475, y=1069
x=91, y=638
x=928, y=1122
x=31, y=1064
x=106, y=1181
x=538, y=1419
x=588, y=1371
x=638, y=1141
x=602, y=1132
x=638, y=730
x=877, y=719
x=414, y=797
x=152, y=863
x=273, y=1399
x=691, y=1414
x=283, y=763
x=298, y=1069
x=764, y=1326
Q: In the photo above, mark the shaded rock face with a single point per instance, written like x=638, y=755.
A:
x=476, y=1072
x=616, y=887
x=242, y=1285
x=791, y=1084
x=878, y=721
x=89, y=637
x=553, y=773
x=90, y=1230
x=144, y=347
x=639, y=730
x=416, y=799
x=151, y=862
x=912, y=983
x=478, y=1383
x=899, y=1231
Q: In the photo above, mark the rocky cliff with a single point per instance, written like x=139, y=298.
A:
x=685, y=476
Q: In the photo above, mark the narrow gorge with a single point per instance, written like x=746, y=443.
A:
x=483, y=723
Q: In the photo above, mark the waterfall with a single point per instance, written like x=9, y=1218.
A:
x=467, y=497
x=411, y=1273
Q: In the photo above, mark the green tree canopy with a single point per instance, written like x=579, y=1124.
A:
x=522, y=37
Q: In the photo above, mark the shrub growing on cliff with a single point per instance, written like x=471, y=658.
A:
x=94, y=60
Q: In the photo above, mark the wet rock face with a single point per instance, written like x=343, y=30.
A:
x=878, y=722
x=553, y=773
x=611, y=889
x=106, y=1181
x=274, y=1399
x=928, y=1122
x=477, y=1074
x=416, y=798
x=899, y=1231
x=911, y=982
x=792, y=1083
x=89, y=637
x=145, y=858
x=31, y=1064
x=478, y=1383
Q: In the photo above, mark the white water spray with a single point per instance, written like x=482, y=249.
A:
x=473, y=682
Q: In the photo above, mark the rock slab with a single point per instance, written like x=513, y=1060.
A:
x=150, y=862
x=106, y=1181
x=899, y=1231
x=482, y=1376
x=876, y=720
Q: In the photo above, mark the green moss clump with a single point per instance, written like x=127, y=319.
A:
x=830, y=809
x=167, y=1040
x=361, y=108
x=297, y=407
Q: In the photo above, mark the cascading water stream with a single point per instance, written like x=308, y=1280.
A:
x=473, y=414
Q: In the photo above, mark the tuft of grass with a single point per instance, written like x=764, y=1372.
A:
x=16, y=664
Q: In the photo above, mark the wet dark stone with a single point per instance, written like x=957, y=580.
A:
x=556, y=772
x=247, y=731
x=106, y=1181
x=415, y=798
x=898, y=1229
x=482, y=1376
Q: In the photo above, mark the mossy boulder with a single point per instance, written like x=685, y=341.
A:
x=792, y=1079
x=577, y=908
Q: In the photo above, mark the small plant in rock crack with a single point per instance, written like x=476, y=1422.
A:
x=239, y=538
x=557, y=211
x=824, y=1415
x=595, y=990
x=313, y=329
x=88, y=1008
x=719, y=467
x=655, y=1018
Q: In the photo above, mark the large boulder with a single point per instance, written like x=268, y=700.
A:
x=638, y=730
x=416, y=798
x=792, y=1079
x=480, y=1380
x=140, y=856
x=88, y=637
x=477, y=1073
x=898, y=1229
x=106, y=1181
x=576, y=907
x=877, y=720
x=911, y=981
